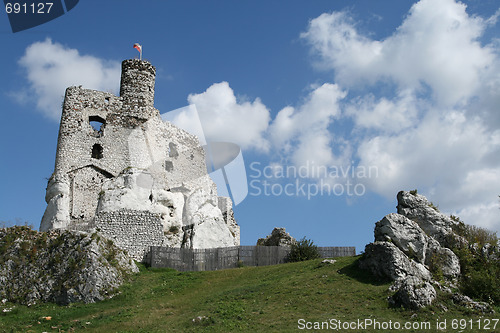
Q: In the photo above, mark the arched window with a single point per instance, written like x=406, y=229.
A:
x=97, y=151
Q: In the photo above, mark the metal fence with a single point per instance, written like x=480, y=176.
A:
x=229, y=257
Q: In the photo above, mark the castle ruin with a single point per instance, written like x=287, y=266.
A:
x=124, y=172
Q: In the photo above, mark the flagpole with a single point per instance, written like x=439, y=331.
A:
x=138, y=47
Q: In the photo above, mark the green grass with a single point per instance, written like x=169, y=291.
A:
x=248, y=299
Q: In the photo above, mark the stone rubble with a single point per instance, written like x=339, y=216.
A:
x=278, y=237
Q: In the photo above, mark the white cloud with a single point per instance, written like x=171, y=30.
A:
x=437, y=44
x=440, y=154
x=303, y=133
x=483, y=215
x=453, y=160
x=52, y=67
x=386, y=115
x=224, y=118
x=430, y=120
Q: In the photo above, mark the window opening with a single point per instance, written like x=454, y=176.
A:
x=97, y=124
x=169, y=166
x=172, y=150
x=97, y=151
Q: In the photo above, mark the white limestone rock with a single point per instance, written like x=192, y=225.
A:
x=329, y=261
x=211, y=232
x=130, y=190
x=170, y=205
x=60, y=266
x=403, y=233
x=413, y=293
x=195, y=201
x=414, y=242
x=468, y=302
x=135, y=189
x=490, y=252
x=199, y=216
x=384, y=259
x=417, y=208
x=446, y=261
x=56, y=215
x=209, y=228
x=226, y=207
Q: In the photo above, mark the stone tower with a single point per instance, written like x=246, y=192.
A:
x=122, y=171
x=137, y=88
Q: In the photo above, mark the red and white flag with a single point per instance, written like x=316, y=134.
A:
x=138, y=47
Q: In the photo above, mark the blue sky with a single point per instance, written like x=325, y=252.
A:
x=408, y=88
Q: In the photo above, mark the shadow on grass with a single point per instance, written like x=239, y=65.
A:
x=364, y=276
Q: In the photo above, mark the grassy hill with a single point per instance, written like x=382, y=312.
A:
x=248, y=299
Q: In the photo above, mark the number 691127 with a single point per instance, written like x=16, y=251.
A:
x=24, y=8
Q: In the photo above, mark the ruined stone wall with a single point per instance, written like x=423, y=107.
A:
x=85, y=188
x=87, y=156
x=185, y=162
x=133, y=231
x=133, y=162
x=77, y=137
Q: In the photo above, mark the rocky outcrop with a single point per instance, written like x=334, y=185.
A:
x=209, y=228
x=60, y=266
x=417, y=208
x=410, y=248
x=386, y=260
x=407, y=236
x=278, y=237
x=157, y=217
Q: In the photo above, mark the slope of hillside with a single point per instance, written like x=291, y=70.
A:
x=281, y=298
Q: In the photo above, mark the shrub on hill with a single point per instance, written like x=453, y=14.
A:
x=479, y=262
x=302, y=250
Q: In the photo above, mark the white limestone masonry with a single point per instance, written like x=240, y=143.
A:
x=122, y=171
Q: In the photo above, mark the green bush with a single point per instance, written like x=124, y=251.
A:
x=480, y=276
x=483, y=284
x=303, y=250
